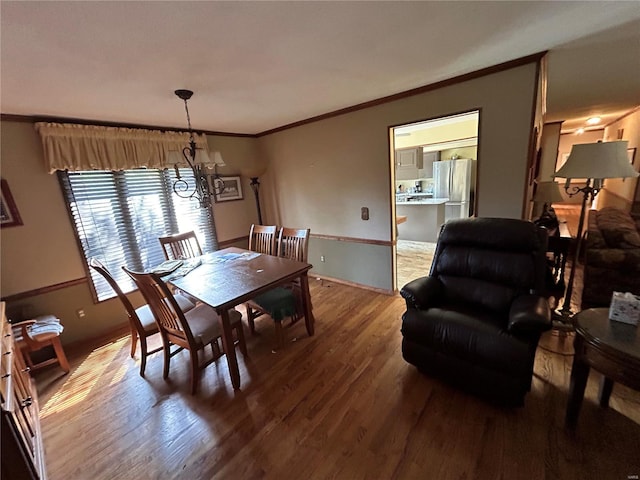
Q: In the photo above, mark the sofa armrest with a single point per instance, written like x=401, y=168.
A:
x=422, y=293
x=529, y=314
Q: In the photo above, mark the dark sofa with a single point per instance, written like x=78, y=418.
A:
x=612, y=256
x=475, y=321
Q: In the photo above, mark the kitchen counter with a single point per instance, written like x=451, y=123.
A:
x=423, y=201
x=424, y=218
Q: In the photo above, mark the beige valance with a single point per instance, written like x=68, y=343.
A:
x=90, y=147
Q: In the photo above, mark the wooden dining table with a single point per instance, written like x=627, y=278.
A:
x=230, y=277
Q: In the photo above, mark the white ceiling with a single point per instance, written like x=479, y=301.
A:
x=255, y=66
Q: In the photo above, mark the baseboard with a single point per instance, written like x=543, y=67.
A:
x=383, y=291
x=81, y=346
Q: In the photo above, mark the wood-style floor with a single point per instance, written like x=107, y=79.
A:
x=413, y=260
x=341, y=405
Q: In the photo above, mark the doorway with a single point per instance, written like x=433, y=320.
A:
x=434, y=180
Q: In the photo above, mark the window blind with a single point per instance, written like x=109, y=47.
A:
x=119, y=216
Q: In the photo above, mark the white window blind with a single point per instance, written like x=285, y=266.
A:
x=119, y=216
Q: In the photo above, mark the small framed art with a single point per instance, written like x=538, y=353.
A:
x=9, y=216
x=227, y=188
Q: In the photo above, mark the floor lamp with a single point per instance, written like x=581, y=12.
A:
x=253, y=172
x=255, y=186
x=547, y=193
x=593, y=162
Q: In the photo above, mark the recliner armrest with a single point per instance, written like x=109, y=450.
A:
x=422, y=293
x=529, y=314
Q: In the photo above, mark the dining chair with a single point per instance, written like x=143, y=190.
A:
x=141, y=320
x=181, y=245
x=285, y=301
x=262, y=238
x=192, y=330
x=35, y=334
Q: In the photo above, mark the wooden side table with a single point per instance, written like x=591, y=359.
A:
x=610, y=347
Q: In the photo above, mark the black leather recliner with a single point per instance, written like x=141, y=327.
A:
x=475, y=321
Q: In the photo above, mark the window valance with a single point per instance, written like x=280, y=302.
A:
x=89, y=147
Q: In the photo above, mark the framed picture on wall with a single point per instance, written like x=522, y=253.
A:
x=9, y=216
x=228, y=188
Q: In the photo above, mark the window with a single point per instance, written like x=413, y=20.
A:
x=118, y=217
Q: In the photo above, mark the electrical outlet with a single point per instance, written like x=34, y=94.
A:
x=322, y=258
x=80, y=313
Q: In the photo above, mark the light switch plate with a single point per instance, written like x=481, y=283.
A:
x=364, y=213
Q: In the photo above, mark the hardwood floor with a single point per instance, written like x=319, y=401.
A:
x=342, y=405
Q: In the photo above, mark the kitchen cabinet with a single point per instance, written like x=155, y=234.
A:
x=408, y=162
x=22, y=449
x=427, y=164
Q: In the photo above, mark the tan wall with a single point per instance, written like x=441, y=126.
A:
x=322, y=173
x=618, y=192
x=44, y=251
x=233, y=219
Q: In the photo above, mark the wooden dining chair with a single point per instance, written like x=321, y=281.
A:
x=180, y=245
x=192, y=330
x=262, y=238
x=284, y=301
x=141, y=320
x=37, y=333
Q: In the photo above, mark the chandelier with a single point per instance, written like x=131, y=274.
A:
x=199, y=161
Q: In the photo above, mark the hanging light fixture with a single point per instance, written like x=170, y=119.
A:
x=199, y=161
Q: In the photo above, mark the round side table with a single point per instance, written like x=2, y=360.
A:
x=610, y=347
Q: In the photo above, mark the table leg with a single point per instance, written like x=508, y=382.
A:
x=229, y=348
x=306, y=304
x=579, y=376
x=606, y=387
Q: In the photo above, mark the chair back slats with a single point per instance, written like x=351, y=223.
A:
x=166, y=311
x=102, y=270
x=293, y=243
x=262, y=239
x=181, y=245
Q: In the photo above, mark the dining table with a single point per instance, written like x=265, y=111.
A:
x=231, y=276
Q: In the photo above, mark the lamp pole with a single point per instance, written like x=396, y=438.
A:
x=255, y=186
x=587, y=191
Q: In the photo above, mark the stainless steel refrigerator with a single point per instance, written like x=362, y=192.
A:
x=455, y=180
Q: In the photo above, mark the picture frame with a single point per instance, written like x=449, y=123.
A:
x=231, y=191
x=9, y=215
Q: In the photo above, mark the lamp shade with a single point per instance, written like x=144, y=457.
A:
x=205, y=158
x=548, y=192
x=175, y=158
x=598, y=160
x=217, y=159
